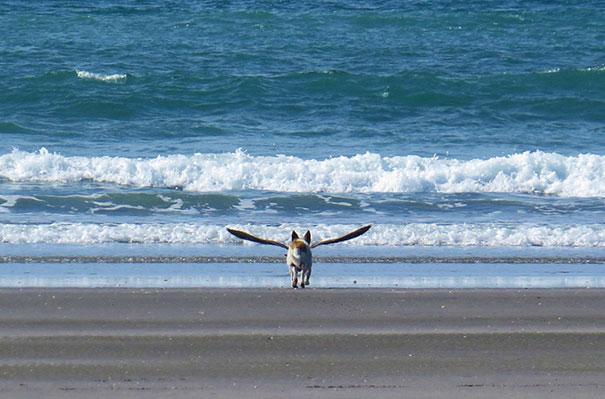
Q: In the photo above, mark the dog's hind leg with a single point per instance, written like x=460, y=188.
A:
x=294, y=276
x=303, y=272
x=307, y=275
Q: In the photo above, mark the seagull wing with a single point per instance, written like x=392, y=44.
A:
x=247, y=236
x=353, y=234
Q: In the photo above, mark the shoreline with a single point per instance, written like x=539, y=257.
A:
x=515, y=260
x=325, y=275
x=302, y=343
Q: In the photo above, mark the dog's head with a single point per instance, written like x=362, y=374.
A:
x=306, y=237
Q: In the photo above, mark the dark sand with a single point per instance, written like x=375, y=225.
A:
x=350, y=343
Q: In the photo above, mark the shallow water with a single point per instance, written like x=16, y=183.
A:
x=334, y=275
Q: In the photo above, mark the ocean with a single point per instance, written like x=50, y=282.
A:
x=135, y=132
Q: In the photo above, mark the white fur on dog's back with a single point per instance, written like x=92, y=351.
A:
x=299, y=254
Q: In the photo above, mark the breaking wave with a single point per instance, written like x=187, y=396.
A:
x=528, y=172
x=101, y=77
x=413, y=234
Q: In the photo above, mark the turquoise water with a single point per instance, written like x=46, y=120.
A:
x=458, y=79
x=446, y=124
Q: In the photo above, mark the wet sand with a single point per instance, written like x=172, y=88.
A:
x=344, y=343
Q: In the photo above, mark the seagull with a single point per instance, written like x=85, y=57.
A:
x=299, y=258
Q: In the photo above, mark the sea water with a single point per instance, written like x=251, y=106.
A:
x=456, y=128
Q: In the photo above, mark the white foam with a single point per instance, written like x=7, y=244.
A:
x=595, y=69
x=414, y=234
x=552, y=70
x=10, y=201
x=528, y=172
x=600, y=68
x=98, y=76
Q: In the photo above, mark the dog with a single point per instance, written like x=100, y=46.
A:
x=299, y=258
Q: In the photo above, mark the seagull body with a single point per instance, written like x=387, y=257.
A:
x=299, y=257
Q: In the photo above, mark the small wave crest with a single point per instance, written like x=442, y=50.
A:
x=529, y=172
x=101, y=77
x=599, y=68
x=413, y=234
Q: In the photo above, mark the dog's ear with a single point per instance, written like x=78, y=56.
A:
x=294, y=235
x=307, y=237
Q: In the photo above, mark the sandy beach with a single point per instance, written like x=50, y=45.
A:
x=191, y=343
